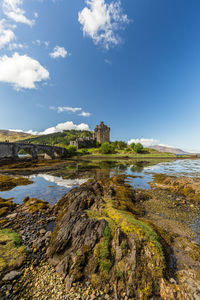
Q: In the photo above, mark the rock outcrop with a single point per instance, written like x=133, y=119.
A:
x=100, y=236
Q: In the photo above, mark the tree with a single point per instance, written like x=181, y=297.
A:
x=71, y=149
x=106, y=148
x=121, y=145
x=138, y=148
x=132, y=145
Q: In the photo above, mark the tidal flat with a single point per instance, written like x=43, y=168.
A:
x=100, y=229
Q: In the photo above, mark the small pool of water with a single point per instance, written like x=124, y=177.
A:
x=45, y=187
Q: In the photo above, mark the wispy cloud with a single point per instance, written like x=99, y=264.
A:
x=12, y=9
x=107, y=61
x=60, y=127
x=21, y=71
x=59, y=52
x=101, y=22
x=60, y=109
x=14, y=46
x=84, y=114
x=6, y=34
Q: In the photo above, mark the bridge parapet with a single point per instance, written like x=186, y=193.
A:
x=10, y=150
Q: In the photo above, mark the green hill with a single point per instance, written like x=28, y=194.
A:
x=59, y=138
x=13, y=136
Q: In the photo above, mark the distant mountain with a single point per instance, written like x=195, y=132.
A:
x=168, y=149
x=13, y=136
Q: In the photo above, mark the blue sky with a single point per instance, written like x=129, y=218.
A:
x=135, y=64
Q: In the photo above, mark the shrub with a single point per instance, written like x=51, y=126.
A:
x=71, y=149
x=119, y=145
x=84, y=151
x=138, y=148
x=128, y=149
x=132, y=145
x=106, y=148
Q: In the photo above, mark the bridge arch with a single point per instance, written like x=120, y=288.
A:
x=10, y=150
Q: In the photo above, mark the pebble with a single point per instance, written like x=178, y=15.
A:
x=12, y=275
x=42, y=231
x=11, y=216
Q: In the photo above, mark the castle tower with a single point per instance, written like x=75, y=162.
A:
x=102, y=133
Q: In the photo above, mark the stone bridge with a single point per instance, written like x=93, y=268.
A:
x=10, y=150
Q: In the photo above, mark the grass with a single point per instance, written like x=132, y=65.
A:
x=131, y=154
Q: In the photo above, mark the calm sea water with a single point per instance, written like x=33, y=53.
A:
x=52, y=186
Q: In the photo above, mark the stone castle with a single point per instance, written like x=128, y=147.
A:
x=101, y=135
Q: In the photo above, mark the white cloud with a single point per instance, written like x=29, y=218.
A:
x=6, y=34
x=65, y=126
x=12, y=9
x=69, y=125
x=59, y=52
x=46, y=43
x=14, y=46
x=36, y=42
x=16, y=130
x=84, y=114
x=68, y=183
x=21, y=71
x=144, y=142
x=65, y=109
x=36, y=15
x=101, y=22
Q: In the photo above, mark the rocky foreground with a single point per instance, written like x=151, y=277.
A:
x=105, y=245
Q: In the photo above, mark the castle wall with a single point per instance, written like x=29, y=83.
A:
x=102, y=133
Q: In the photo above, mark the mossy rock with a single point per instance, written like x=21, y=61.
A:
x=9, y=182
x=33, y=205
x=121, y=246
x=3, y=211
x=12, y=252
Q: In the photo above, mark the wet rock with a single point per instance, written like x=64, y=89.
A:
x=48, y=235
x=12, y=275
x=11, y=216
x=42, y=231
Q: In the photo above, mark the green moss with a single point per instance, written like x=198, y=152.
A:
x=8, y=182
x=12, y=253
x=2, y=221
x=33, y=205
x=128, y=223
x=102, y=251
x=12, y=235
x=7, y=203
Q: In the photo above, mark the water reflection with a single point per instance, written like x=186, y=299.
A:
x=52, y=186
x=45, y=187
